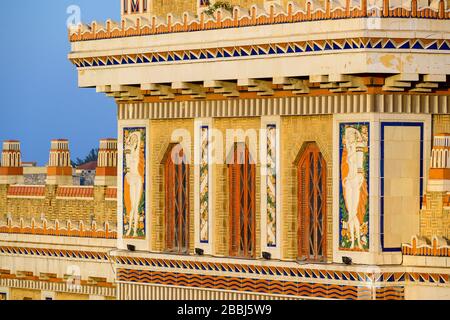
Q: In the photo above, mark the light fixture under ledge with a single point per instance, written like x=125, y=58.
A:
x=348, y=261
x=130, y=247
x=267, y=255
x=199, y=251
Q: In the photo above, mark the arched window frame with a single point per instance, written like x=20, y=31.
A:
x=242, y=202
x=310, y=247
x=176, y=191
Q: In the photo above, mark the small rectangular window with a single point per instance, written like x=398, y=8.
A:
x=134, y=6
x=125, y=6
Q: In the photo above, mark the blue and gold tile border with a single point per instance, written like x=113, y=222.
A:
x=264, y=50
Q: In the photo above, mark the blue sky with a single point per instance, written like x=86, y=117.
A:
x=40, y=98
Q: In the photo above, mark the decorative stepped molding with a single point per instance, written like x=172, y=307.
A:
x=55, y=228
x=302, y=105
x=420, y=246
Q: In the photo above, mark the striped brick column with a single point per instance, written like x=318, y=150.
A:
x=11, y=171
x=106, y=172
x=59, y=170
x=439, y=177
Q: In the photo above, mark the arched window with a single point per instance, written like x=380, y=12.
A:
x=176, y=174
x=242, y=184
x=312, y=204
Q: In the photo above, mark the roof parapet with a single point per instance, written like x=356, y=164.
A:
x=294, y=11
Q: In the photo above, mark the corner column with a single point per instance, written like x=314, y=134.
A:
x=133, y=185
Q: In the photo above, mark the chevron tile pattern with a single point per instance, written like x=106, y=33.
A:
x=264, y=50
x=310, y=290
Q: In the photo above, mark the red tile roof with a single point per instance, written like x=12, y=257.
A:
x=26, y=191
x=75, y=192
x=111, y=193
x=88, y=166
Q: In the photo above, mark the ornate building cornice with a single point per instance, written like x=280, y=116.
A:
x=148, y=24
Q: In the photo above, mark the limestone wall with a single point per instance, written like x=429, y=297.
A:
x=178, y=7
x=25, y=294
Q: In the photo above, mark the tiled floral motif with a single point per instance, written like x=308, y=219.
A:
x=354, y=187
x=204, y=185
x=134, y=155
x=271, y=186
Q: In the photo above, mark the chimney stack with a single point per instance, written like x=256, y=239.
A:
x=59, y=170
x=439, y=178
x=106, y=172
x=11, y=171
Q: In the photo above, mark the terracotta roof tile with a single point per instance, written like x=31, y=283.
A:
x=75, y=192
x=26, y=191
x=88, y=166
x=111, y=193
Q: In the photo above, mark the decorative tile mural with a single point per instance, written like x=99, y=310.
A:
x=134, y=155
x=354, y=186
x=271, y=176
x=204, y=185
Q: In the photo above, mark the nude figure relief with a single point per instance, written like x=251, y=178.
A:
x=354, y=190
x=134, y=183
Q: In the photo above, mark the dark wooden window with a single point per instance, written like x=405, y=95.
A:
x=125, y=6
x=176, y=173
x=312, y=206
x=242, y=184
x=135, y=6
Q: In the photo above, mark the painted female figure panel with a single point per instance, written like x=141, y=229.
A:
x=134, y=183
x=354, y=187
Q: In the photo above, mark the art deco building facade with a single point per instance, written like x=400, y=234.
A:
x=266, y=150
